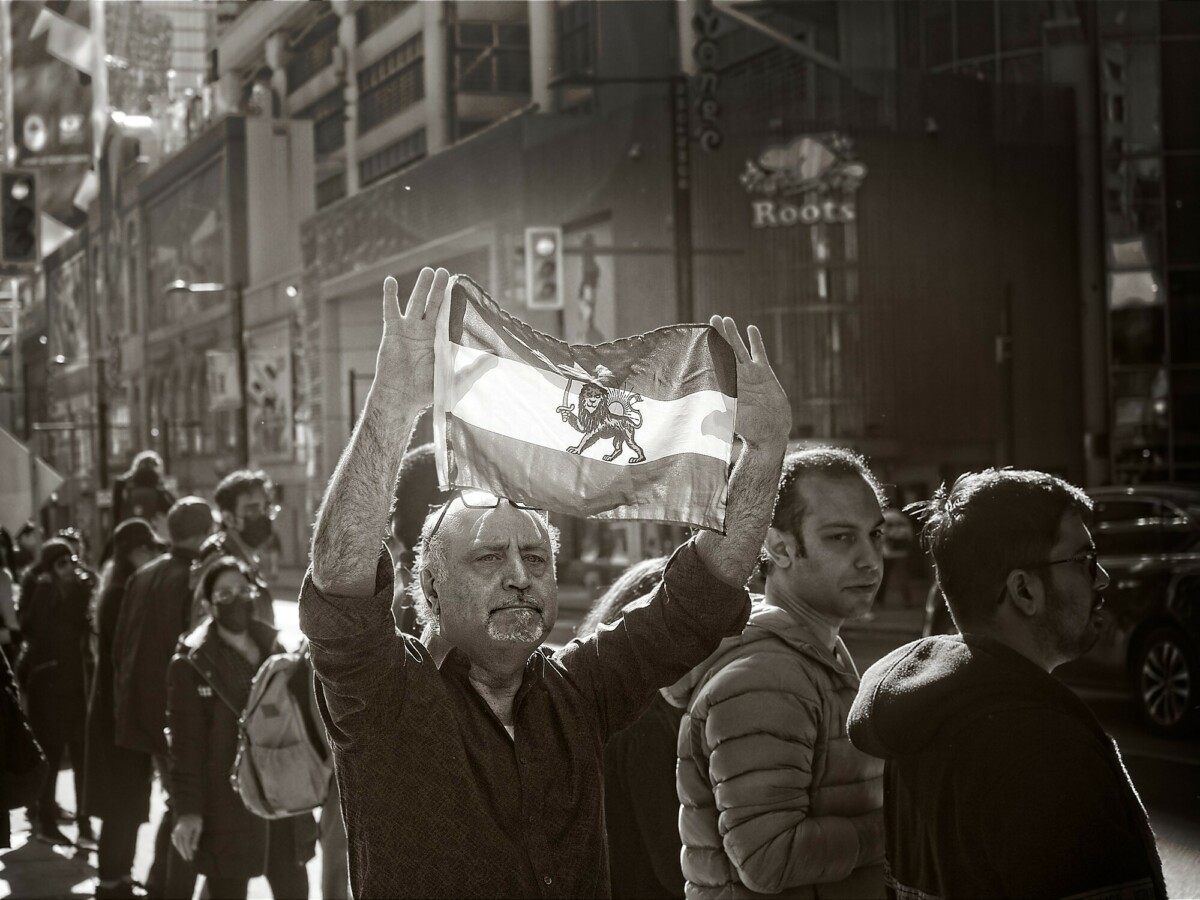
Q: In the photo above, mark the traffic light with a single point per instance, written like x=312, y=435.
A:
x=544, y=267
x=19, y=211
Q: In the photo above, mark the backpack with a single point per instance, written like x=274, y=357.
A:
x=283, y=765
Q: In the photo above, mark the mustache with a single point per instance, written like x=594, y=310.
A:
x=522, y=601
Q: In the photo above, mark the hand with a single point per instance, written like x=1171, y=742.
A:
x=404, y=367
x=565, y=412
x=186, y=835
x=764, y=415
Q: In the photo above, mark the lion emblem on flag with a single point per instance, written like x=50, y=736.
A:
x=604, y=413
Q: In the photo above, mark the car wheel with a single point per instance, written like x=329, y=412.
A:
x=1165, y=681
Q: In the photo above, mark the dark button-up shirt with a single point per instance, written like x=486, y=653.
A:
x=438, y=800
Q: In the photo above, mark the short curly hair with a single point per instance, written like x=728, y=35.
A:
x=235, y=484
x=829, y=461
x=987, y=524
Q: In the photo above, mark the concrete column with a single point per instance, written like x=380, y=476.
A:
x=1071, y=64
x=543, y=53
x=685, y=10
x=437, y=77
x=347, y=59
x=277, y=56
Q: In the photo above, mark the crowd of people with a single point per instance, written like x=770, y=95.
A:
x=696, y=738
x=118, y=671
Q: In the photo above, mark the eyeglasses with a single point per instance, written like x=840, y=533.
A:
x=1088, y=556
x=476, y=499
x=250, y=510
x=226, y=596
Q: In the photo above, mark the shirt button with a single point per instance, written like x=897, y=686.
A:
x=546, y=879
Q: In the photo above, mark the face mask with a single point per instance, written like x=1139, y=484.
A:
x=255, y=530
x=234, y=616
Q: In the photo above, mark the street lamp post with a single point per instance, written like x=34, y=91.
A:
x=239, y=338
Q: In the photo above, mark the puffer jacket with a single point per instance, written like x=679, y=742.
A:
x=775, y=799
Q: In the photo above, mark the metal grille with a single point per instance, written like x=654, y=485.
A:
x=491, y=58
x=314, y=53
x=392, y=158
x=373, y=15
x=577, y=36
x=391, y=85
x=331, y=189
x=329, y=121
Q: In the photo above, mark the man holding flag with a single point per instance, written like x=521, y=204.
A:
x=471, y=762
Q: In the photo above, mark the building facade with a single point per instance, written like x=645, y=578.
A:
x=962, y=224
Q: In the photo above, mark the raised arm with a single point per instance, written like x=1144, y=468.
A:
x=353, y=513
x=764, y=420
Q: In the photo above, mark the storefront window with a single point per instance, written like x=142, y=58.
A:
x=1181, y=93
x=1140, y=410
x=1133, y=211
x=1138, y=336
x=975, y=23
x=1185, y=317
x=185, y=236
x=936, y=32
x=1129, y=81
x=1124, y=17
x=1021, y=24
x=1183, y=210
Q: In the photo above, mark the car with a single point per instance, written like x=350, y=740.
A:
x=1148, y=540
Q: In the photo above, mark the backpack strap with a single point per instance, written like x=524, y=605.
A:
x=206, y=673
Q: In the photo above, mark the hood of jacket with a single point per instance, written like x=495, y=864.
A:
x=766, y=623
x=938, y=685
x=193, y=642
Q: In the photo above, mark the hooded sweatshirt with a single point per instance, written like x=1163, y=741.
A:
x=774, y=798
x=998, y=782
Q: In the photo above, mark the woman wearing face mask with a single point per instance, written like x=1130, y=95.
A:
x=208, y=685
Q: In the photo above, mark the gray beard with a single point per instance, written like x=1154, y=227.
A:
x=522, y=626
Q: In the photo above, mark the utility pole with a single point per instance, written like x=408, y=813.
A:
x=239, y=337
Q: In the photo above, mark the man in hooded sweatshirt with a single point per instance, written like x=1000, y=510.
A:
x=999, y=781
x=775, y=800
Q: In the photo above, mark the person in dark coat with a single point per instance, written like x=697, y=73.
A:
x=155, y=613
x=998, y=780
x=54, y=626
x=22, y=763
x=118, y=779
x=208, y=685
x=641, y=805
x=140, y=492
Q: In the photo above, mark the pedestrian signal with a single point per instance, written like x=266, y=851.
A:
x=544, y=267
x=19, y=209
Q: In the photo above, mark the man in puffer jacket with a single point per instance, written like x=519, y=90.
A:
x=775, y=799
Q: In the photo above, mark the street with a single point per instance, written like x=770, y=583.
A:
x=1165, y=772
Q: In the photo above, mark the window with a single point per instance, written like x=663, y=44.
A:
x=331, y=189
x=391, y=85
x=131, y=276
x=577, y=36
x=491, y=58
x=392, y=158
x=314, y=52
x=374, y=14
x=329, y=122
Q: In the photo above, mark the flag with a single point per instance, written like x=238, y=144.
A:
x=26, y=483
x=69, y=41
x=639, y=428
